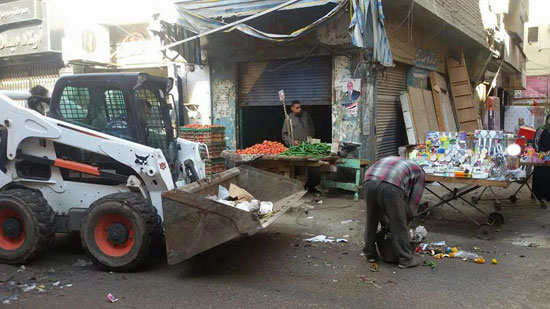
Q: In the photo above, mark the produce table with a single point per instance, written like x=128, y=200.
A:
x=289, y=166
x=484, y=230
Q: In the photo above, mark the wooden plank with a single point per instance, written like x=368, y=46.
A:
x=469, y=181
x=408, y=118
x=442, y=102
x=430, y=110
x=418, y=108
x=462, y=95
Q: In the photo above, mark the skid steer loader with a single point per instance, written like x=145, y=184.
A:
x=106, y=162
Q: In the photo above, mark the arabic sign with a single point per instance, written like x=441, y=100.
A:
x=20, y=11
x=25, y=40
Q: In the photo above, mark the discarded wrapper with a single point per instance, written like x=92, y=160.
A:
x=266, y=207
x=111, y=298
x=239, y=194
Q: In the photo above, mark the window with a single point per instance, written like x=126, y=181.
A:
x=74, y=103
x=533, y=34
x=100, y=108
x=155, y=126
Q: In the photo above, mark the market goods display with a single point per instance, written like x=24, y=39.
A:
x=267, y=147
x=310, y=150
x=213, y=136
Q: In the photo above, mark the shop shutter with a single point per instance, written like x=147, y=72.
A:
x=390, y=127
x=25, y=76
x=308, y=81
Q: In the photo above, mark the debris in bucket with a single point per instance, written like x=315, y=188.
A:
x=325, y=239
x=111, y=298
x=241, y=199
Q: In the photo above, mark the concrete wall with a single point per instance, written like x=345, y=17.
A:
x=198, y=93
x=223, y=84
x=538, y=52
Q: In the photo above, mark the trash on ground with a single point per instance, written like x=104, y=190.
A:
x=6, y=300
x=374, y=267
x=82, y=263
x=56, y=283
x=111, y=298
x=346, y=221
x=311, y=217
x=418, y=234
x=430, y=264
x=21, y=269
x=325, y=239
x=41, y=288
x=479, y=260
x=494, y=261
x=27, y=287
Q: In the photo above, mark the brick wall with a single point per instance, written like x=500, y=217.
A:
x=464, y=15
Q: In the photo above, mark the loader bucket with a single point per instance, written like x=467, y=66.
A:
x=194, y=223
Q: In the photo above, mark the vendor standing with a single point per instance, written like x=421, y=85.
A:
x=393, y=190
x=302, y=125
x=541, y=174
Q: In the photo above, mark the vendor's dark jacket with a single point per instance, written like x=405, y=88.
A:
x=302, y=127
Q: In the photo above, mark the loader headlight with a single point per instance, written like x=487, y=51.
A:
x=203, y=150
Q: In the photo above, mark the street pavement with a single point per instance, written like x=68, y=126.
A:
x=277, y=269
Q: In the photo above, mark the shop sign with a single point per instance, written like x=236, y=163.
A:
x=21, y=41
x=20, y=11
x=426, y=59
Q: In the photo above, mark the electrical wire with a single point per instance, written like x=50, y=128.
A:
x=297, y=61
x=404, y=19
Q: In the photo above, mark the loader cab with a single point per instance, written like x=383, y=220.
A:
x=131, y=106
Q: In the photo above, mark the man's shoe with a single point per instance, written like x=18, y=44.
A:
x=408, y=264
x=371, y=258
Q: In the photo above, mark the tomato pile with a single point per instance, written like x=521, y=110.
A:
x=267, y=147
x=200, y=126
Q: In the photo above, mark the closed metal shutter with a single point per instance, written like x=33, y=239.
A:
x=25, y=76
x=308, y=81
x=390, y=127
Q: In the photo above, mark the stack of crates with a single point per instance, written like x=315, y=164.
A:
x=214, y=138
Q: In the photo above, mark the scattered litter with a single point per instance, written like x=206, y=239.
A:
x=27, y=287
x=419, y=233
x=56, y=283
x=325, y=239
x=494, y=261
x=477, y=249
x=439, y=243
x=334, y=280
x=41, y=288
x=68, y=285
x=345, y=236
x=320, y=202
x=374, y=267
x=6, y=300
x=311, y=217
x=346, y=221
x=111, y=298
x=430, y=264
x=22, y=268
x=479, y=260
x=82, y=263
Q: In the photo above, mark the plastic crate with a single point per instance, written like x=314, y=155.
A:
x=206, y=135
x=215, y=149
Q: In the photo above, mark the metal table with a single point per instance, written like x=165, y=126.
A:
x=522, y=182
x=484, y=230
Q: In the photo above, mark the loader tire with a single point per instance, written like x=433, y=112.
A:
x=118, y=231
x=27, y=225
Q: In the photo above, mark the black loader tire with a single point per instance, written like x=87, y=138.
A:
x=37, y=219
x=139, y=216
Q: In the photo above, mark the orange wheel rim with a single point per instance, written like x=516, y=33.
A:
x=101, y=235
x=11, y=243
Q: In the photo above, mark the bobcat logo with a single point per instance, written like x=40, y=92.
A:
x=141, y=160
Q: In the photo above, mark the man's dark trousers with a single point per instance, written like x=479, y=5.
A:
x=385, y=198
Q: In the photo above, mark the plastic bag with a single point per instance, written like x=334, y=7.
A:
x=266, y=207
x=223, y=193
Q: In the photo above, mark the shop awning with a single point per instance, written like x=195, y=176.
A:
x=231, y=8
x=206, y=16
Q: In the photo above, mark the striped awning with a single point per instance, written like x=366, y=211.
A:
x=367, y=30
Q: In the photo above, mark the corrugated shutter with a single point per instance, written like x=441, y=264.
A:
x=25, y=76
x=390, y=127
x=308, y=81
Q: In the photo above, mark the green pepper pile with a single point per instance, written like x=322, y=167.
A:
x=308, y=150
